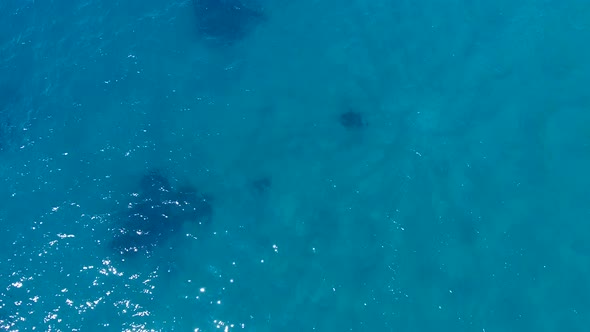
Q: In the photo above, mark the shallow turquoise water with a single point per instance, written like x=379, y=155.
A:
x=458, y=202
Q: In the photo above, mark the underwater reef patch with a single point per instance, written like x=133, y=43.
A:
x=157, y=213
x=352, y=120
x=227, y=21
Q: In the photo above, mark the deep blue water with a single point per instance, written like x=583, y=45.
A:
x=294, y=165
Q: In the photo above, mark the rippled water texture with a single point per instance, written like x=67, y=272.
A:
x=256, y=165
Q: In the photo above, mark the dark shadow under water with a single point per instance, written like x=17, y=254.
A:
x=226, y=22
x=156, y=215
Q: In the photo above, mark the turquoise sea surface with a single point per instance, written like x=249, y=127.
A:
x=258, y=165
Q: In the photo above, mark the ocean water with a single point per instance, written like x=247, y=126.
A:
x=294, y=165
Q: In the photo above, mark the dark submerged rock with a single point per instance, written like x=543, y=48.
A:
x=226, y=21
x=261, y=185
x=154, y=185
x=157, y=215
x=352, y=120
x=146, y=225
